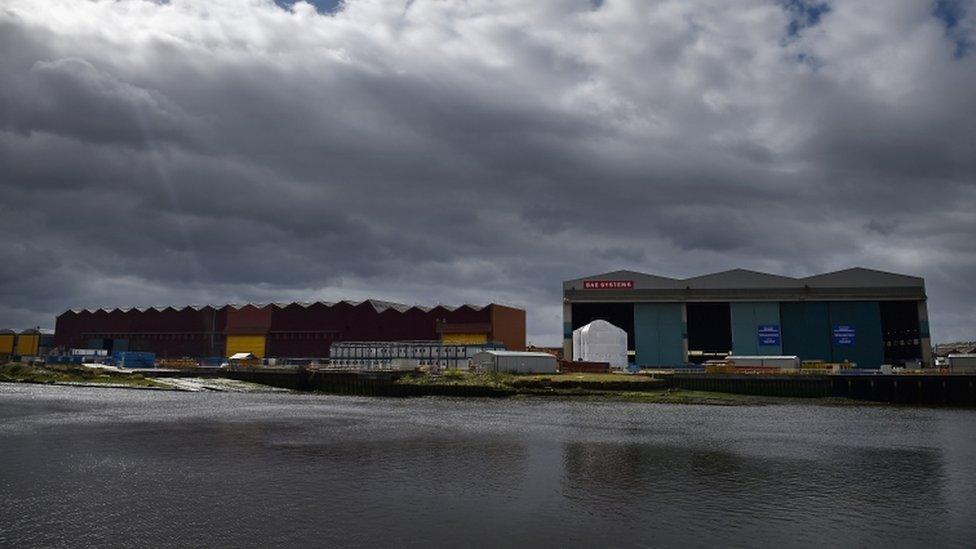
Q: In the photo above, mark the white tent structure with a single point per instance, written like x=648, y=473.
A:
x=600, y=341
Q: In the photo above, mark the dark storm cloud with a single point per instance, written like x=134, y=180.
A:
x=169, y=153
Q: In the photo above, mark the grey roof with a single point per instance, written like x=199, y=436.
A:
x=744, y=278
x=743, y=285
x=861, y=277
x=741, y=278
x=517, y=353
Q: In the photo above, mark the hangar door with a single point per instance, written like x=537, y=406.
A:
x=659, y=334
x=747, y=318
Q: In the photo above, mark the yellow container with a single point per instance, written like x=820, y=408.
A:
x=27, y=344
x=464, y=339
x=7, y=344
x=254, y=344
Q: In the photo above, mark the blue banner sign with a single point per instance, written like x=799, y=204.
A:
x=844, y=335
x=768, y=335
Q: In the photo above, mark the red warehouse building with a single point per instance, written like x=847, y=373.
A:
x=284, y=329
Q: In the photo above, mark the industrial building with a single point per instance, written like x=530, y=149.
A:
x=857, y=315
x=405, y=355
x=286, y=330
x=514, y=362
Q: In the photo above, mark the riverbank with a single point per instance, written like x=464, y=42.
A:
x=571, y=386
x=81, y=376
x=594, y=388
x=15, y=372
x=577, y=387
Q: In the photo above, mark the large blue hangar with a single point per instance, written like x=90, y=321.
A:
x=856, y=315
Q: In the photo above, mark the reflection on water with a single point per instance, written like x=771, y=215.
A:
x=84, y=467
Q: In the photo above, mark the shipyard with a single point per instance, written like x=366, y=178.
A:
x=487, y=273
x=855, y=334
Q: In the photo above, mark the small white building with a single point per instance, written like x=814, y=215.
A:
x=600, y=341
x=520, y=362
x=962, y=363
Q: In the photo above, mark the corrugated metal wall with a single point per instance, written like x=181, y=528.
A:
x=293, y=331
x=746, y=319
x=170, y=333
x=659, y=334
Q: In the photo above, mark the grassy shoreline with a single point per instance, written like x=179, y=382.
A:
x=14, y=372
x=595, y=388
x=603, y=388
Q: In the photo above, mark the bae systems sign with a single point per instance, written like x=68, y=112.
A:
x=608, y=284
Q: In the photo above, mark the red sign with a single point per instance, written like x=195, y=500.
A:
x=608, y=284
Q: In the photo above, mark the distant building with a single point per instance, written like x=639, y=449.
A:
x=958, y=347
x=405, y=355
x=285, y=330
x=856, y=315
x=514, y=362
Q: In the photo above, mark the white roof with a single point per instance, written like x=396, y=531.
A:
x=599, y=325
x=241, y=356
x=763, y=357
x=518, y=353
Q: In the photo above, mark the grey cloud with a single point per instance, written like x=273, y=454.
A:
x=468, y=152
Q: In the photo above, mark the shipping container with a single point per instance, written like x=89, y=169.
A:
x=514, y=362
x=7, y=338
x=781, y=362
x=962, y=364
x=28, y=343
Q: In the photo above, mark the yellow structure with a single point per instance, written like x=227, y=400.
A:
x=27, y=344
x=254, y=344
x=464, y=339
x=7, y=344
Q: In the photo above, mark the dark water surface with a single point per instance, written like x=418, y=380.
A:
x=96, y=467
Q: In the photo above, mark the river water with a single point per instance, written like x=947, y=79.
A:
x=116, y=467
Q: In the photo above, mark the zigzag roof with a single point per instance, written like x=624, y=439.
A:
x=378, y=305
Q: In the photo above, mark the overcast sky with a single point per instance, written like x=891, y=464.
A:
x=452, y=151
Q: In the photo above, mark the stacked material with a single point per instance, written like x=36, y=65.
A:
x=132, y=359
